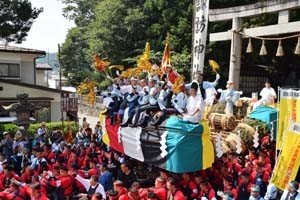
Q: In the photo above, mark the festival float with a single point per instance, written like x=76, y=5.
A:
x=227, y=126
x=230, y=125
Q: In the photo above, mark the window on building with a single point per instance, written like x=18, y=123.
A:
x=8, y=70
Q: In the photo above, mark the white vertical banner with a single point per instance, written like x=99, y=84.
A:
x=201, y=9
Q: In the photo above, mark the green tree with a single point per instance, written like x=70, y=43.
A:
x=118, y=31
x=16, y=18
x=81, y=11
x=74, y=59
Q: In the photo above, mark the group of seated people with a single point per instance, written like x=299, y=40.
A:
x=88, y=169
x=160, y=97
x=149, y=96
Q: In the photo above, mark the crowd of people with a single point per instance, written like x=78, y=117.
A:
x=50, y=168
x=59, y=166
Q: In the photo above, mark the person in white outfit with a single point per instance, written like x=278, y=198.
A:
x=195, y=106
x=205, y=88
x=291, y=192
x=268, y=96
x=255, y=193
x=271, y=193
x=91, y=185
x=230, y=97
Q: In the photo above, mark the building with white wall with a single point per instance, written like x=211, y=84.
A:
x=19, y=73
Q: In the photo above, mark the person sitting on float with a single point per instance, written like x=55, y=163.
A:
x=195, y=106
x=179, y=102
x=268, y=96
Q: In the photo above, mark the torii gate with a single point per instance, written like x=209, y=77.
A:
x=236, y=14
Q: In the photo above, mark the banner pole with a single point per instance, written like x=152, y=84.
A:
x=278, y=103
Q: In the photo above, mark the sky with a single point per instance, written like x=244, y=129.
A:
x=49, y=29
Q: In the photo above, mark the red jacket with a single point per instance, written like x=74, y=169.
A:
x=160, y=192
x=3, y=178
x=177, y=195
x=65, y=182
x=211, y=194
x=123, y=195
x=79, y=185
x=190, y=186
x=28, y=191
x=26, y=178
x=265, y=177
x=66, y=155
x=49, y=156
x=18, y=195
x=78, y=161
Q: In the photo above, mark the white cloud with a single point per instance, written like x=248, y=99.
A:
x=49, y=29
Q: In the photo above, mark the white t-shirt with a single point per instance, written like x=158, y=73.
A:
x=87, y=185
x=192, y=104
x=267, y=94
x=107, y=101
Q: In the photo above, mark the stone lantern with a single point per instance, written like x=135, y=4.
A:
x=22, y=109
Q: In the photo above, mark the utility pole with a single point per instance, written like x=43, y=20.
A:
x=60, y=90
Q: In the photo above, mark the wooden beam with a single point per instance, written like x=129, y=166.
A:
x=252, y=9
x=292, y=27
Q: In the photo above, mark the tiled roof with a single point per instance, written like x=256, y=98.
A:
x=7, y=48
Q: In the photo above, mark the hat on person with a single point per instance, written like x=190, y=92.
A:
x=135, y=184
x=228, y=195
x=133, y=78
x=294, y=185
x=194, y=86
x=255, y=188
x=5, y=133
x=118, y=183
x=4, y=162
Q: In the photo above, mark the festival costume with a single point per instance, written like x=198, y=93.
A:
x=91, y=189
x=177, y=195
x=194, y=103
x=267, y=95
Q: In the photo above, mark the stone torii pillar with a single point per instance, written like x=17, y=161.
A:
x=236, y=52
